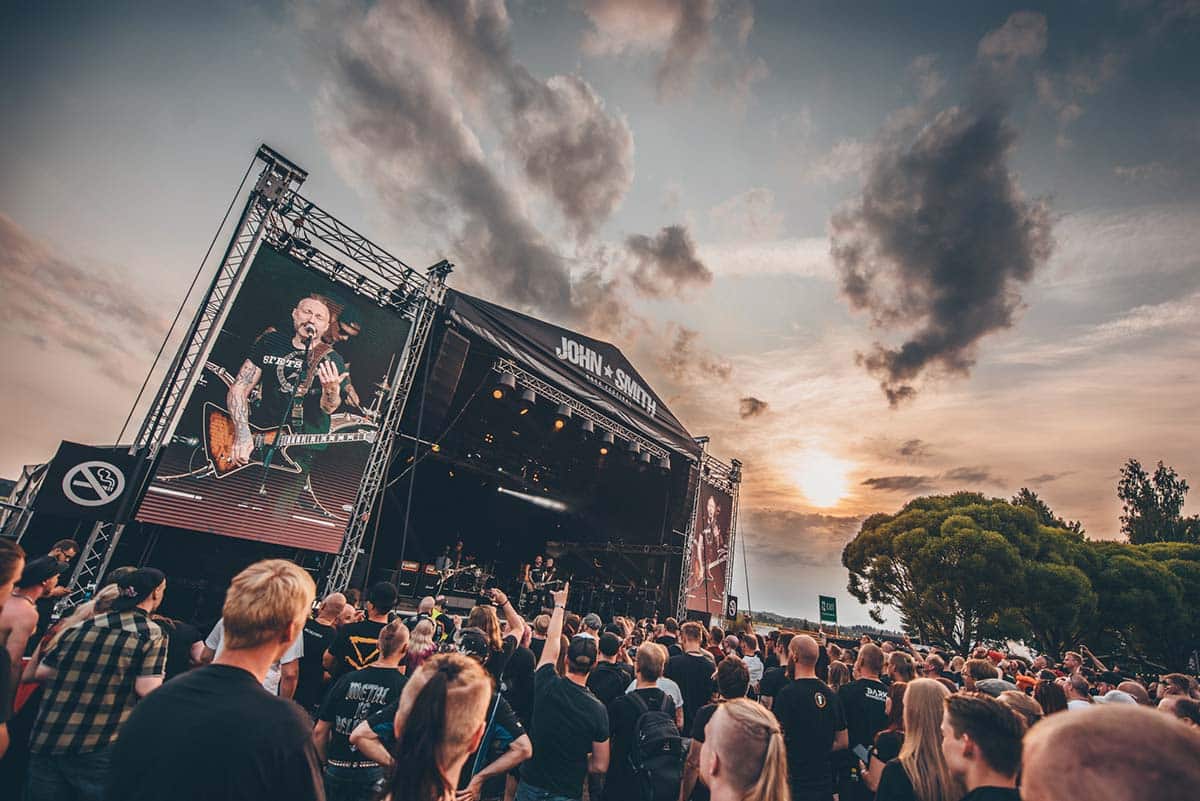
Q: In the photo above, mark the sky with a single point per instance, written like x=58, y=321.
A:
x=873, y=250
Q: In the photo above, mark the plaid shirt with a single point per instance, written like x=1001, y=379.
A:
x=92, y=692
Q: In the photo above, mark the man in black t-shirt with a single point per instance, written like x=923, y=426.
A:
x=320, y=633
x=692, y=670
x=669, y=639
x=352, y=699
x=570, y=725
x=609, y=678
x=214, y=732
x=813, y=724
x=357, y=644
x=981, y=741
x=863, y=701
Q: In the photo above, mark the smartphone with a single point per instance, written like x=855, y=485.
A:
x=862, y=753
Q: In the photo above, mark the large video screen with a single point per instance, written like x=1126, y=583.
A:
x=274, y=438
x=704, y=589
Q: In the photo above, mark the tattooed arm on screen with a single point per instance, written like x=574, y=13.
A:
x=238, y=400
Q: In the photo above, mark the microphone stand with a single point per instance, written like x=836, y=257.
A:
x=283, y=417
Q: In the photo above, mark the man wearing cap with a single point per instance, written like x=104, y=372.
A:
x=570, y=725
x=19, y=619
x=93, y=677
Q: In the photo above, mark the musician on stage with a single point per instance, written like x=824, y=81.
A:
x=708, y=549
x=277, y=360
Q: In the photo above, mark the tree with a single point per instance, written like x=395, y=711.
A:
x=1057, y=606
x=948, y=564
x=1045, y=515
x=1151, y=505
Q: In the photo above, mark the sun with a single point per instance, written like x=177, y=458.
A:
x=822, y=478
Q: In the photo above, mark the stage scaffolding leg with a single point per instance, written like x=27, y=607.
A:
x=688, y=556
x=380, y=458
x=277, y=181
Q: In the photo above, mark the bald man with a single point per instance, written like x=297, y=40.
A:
x=1117, y=752
x=813, y=722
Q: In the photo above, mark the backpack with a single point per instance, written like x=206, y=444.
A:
x=656, y=753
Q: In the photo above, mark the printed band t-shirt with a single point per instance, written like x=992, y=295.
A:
x=356, y=646
x=863, y=702
x=281, y=363
x=352, y=699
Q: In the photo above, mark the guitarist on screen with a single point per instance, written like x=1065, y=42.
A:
x=277, y=360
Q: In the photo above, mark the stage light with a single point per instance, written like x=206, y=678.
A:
x=545, y=503
x=606, y=442
x=561, y=415
x=435, y=448
x=527, y=401
x=505, y=384
x=645, y=458
x=634, y=449
x=587, y=429
x=664, y=464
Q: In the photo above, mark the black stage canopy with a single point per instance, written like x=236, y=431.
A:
x=594, y=372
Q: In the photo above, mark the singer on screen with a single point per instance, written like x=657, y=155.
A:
x=291, y=394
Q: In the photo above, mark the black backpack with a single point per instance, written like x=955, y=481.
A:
x=656, y=753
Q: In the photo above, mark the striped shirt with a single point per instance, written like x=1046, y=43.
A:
x=92, y=693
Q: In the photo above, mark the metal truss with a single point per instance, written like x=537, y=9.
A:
x=14, y=519
x=613, y=547
x=578, y=409
x=278, y=180
x=380, y=458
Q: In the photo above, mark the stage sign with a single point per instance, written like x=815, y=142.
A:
x=87, y=483
x=285, y=415
x=731, y=607
x=828, y=607
x=709, y=552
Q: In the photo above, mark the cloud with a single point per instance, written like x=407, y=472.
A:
x=924, y=73
x=748, y=215
x=914, y=449
x=666, y=265
x=684, y=33
x=771, y=535
x=900, y=483
x=941, y=238
x=686, y=361
x=848, y=158
x=49, y=300
x=971, y=475
x=808, y=257
x=1152, y=172
x=751, y=407
x=409, y=94
x=1047, y=478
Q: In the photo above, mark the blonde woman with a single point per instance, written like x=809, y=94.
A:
x=420, y=646
x=839, y=675
x=440, y=721
x=920, y=772
x=744, y=757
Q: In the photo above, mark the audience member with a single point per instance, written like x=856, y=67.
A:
x=981, y=742
x=609, y=678
x=692, y=669
x=624, y=714
x=357, y=644
x=920, y=772
x=813, y=722
x=320, y=632
x=733, y=681
x=744, y=756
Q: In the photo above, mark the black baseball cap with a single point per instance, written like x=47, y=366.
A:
x=136, y=587
x=473, y=642
x=38, y=570
x=581, y=653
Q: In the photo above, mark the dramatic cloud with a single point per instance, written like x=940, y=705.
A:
x=411, y=93
x=686, y=361
x=900, y=483
x=971, y=475
x=683, y=32
x=46, y=299
x=914, y=449
x=941, y=238
x=751, y=407
x=785, y=537
x=666, y=264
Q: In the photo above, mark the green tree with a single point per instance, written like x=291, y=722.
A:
x=950, y=565
x=1151, y=505
x=1045, y=515
x=1140, y=599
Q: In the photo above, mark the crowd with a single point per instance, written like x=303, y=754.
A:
x=348, y=699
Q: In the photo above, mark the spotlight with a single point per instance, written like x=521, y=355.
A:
x=561, y=415
x=664, y=465
x=606, y=442
x=645, y=458
x=505, y=384
x=587, y=430
x=634, y=449
x=528, y=399
x=435, y=448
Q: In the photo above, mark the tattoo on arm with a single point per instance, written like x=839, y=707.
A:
x=239, y=392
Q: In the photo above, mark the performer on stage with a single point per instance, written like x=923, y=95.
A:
x=708, y=550
x=277, y=360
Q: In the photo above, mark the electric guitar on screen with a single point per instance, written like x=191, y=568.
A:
x=220, y=431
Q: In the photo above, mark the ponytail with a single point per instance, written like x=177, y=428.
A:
x=772, y=784
x=754, y=752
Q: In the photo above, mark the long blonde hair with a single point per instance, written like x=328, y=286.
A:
x=753, y=753
x=484, y=617
x=921, y=755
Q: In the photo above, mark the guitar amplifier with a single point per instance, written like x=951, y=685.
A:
x=406, y=578
x=427, y=581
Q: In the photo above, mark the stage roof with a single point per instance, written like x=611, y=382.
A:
x=594, y=372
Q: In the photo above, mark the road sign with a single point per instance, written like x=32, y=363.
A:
x=828, y=609
x=731, y=607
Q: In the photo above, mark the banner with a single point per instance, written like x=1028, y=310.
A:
x=87, y=483
x=828, y=608
x=708, y=551
x=277, y=433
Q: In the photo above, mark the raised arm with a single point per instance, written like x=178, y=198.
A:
x=554, y=633
x=238, y=401
x=516, y=624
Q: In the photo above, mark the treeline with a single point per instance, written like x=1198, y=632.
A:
x=964, y=568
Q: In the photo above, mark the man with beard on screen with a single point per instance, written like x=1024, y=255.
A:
x=707, y=551
x=292, y=394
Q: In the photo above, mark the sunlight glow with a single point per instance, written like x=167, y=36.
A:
x=822, y=477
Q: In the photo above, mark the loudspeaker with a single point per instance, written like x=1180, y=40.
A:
x=406, y=578
x=444, y=375
x=427, y=581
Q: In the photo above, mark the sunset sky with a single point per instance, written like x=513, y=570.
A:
x=874, y=251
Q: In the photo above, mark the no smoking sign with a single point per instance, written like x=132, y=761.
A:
x=93, y=483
